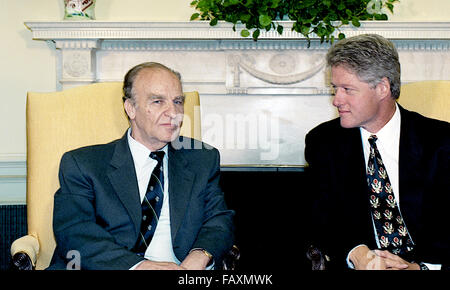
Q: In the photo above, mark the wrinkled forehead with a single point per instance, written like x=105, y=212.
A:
x=157, y=81
x=157, y=72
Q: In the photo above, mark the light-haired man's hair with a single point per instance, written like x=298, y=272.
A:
x=371, y=57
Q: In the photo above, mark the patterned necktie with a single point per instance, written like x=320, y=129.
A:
x=151, y=205
x=390, y=227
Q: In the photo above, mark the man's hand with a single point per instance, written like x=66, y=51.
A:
x=391, y=257
x=365, y=259
x=151, y=265
x=196, y=260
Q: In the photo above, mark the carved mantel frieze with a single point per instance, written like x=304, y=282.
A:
x=87, y=46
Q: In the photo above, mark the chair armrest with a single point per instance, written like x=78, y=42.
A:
x=231, y=258
x=21, y=261
x=24, y=252
x=318, y=260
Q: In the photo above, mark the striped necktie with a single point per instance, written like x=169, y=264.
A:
x=151, y=205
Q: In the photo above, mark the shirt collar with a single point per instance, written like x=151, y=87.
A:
x=390, y=131
x=139, y=152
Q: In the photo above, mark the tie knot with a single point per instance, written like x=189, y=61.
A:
x=372, y=140
x=157, y=155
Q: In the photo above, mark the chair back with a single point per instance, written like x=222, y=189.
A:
x=429, y=98
x=61, y=121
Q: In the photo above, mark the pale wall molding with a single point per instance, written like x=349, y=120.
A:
x=12, y=181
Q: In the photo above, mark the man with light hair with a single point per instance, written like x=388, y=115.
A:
x=379, y=173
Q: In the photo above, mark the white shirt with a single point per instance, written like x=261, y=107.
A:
x=160, y=248
x=388, y=144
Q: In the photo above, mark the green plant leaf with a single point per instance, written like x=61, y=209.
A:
x=265, y=20
x=322, y=38
x=245, y=18
x=245, y=33
x=195, y=16
x=390, y=6
x=255, y=34
x=248, y=3
x=280, y=29
x=304, y=30
x=381, y=17
x=355, y=22
x=341, y=36
x=275, y=3
x=327, y=3
x=213, y=22
x=348, y=12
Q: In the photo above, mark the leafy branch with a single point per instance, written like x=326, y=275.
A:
x=319, y=17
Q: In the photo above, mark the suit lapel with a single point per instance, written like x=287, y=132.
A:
x=411, y=178
x=353, y=163
x=181, y=181
x=123, y=179
x=354, y=171
x=353, y=150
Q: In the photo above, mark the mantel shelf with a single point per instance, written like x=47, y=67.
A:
x=201, y=30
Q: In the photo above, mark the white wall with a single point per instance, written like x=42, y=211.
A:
x=30, y=65
x=419, y=10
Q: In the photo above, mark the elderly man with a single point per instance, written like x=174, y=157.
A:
x=150, y=200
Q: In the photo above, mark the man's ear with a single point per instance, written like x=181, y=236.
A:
x=130, y=108
x=383, y=88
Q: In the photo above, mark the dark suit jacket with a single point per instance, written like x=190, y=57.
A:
x=340, y=219
x=97, y=210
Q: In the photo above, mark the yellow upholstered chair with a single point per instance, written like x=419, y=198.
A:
x=429, y=98
x=58, y=122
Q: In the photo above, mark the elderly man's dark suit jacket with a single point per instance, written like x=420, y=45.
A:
x=98, y=210
x=341, y=218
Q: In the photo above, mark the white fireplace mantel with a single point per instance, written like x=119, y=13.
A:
x=83, y=44
x=258, y=99
x=202, y=30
